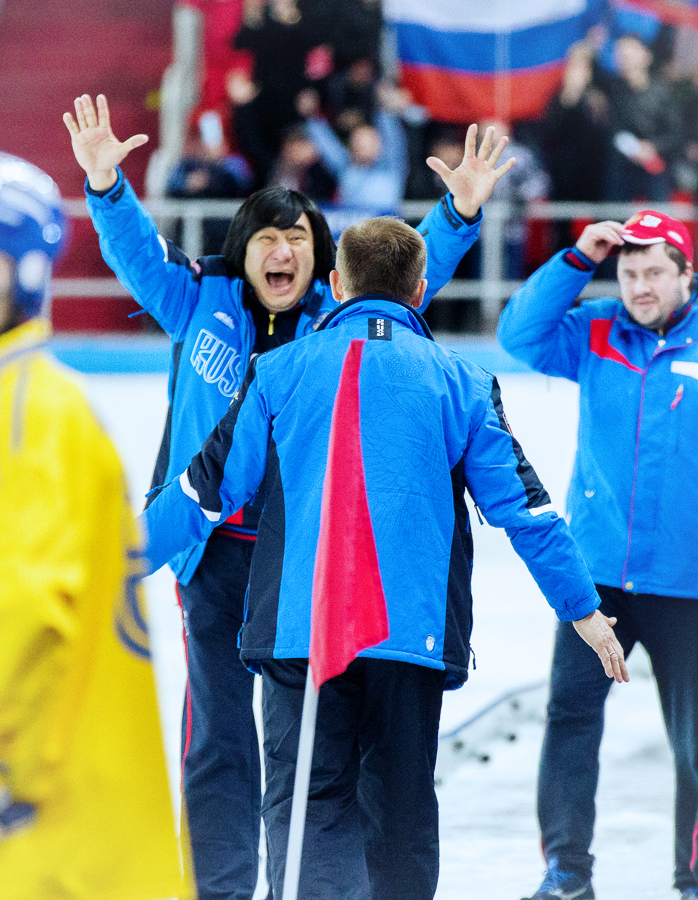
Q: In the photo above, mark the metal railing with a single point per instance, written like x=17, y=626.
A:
x=491, y=290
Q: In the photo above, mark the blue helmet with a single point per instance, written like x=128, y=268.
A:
x=33, y=230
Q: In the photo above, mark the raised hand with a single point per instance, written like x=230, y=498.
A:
x=95, y=147
x=597, y=240
x=473, y=181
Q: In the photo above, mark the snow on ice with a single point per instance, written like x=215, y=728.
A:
x=487, y=770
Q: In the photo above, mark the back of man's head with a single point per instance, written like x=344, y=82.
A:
x=381, y=256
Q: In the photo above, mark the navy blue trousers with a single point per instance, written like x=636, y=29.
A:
x=221, y=772
x=372, y=826
x=667, y=627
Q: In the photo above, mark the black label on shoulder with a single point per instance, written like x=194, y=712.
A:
x=380, y=330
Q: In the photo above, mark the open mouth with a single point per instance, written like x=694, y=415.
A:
x=278, y=281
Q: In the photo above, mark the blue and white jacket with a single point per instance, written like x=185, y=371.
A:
x=201, y=309
x=432, y=426
x=634, y=492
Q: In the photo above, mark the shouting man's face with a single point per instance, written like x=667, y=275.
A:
x=279, y=264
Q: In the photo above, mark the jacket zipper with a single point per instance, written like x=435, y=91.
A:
x=660, y=348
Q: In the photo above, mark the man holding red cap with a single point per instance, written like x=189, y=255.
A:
x=632, y=509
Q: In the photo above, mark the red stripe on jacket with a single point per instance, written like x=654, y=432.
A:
x=598, y=344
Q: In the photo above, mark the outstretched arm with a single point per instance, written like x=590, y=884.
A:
x=473, y=181
x=158, y=275
x=221, y=478
x=95, y=147
x=509, y=494
x=538, y=324
x=470, y=184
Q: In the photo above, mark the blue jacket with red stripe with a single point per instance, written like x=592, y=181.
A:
x=432, y=425
x=212, y=330
x=633, y=496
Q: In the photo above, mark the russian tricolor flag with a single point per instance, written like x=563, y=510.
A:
x=467, y=60
x=673, y=12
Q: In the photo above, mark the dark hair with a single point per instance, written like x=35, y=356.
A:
x=381, y=256
x=445, y=133
x=674, y=254
x=298, y=131
x=277, y=207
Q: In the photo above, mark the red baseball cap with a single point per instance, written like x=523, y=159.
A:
x=651, y=227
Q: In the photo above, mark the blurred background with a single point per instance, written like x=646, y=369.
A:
x=600, y=98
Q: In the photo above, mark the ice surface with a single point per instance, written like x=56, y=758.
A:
x=489, y=836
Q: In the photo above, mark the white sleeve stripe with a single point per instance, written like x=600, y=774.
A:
x=539, y=510
x=186, y=486
x=190, y=491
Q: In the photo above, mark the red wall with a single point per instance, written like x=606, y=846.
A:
x=49, y=53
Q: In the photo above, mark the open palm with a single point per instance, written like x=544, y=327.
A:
x=95, y=146
x=473, y=181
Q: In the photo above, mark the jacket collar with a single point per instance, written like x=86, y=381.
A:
x=685, y=314
x=390, y=307
x=26, y=338
x=680, y=314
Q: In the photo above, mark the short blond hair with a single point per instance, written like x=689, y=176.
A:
x=381, y=256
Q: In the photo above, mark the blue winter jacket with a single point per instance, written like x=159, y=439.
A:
x=634, y=492
x=212, y=332
x=432, y=426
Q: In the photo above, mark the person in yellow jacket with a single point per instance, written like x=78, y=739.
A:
x=85, y=806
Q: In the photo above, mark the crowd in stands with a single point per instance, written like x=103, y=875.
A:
x=304, y=98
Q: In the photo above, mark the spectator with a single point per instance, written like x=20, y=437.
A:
x=632, y=507
x=686, y=164
x=575, y=138
x=444, y=142
x=620, y=20
x=351, y=96
x=644, y=127
x=280, y=34
x=575, y=135
x=372, y=169
x=85, y=807
x=431, y=426
x=209, y=171
x=246, y=134
x=298, y=166
x=357, y=31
